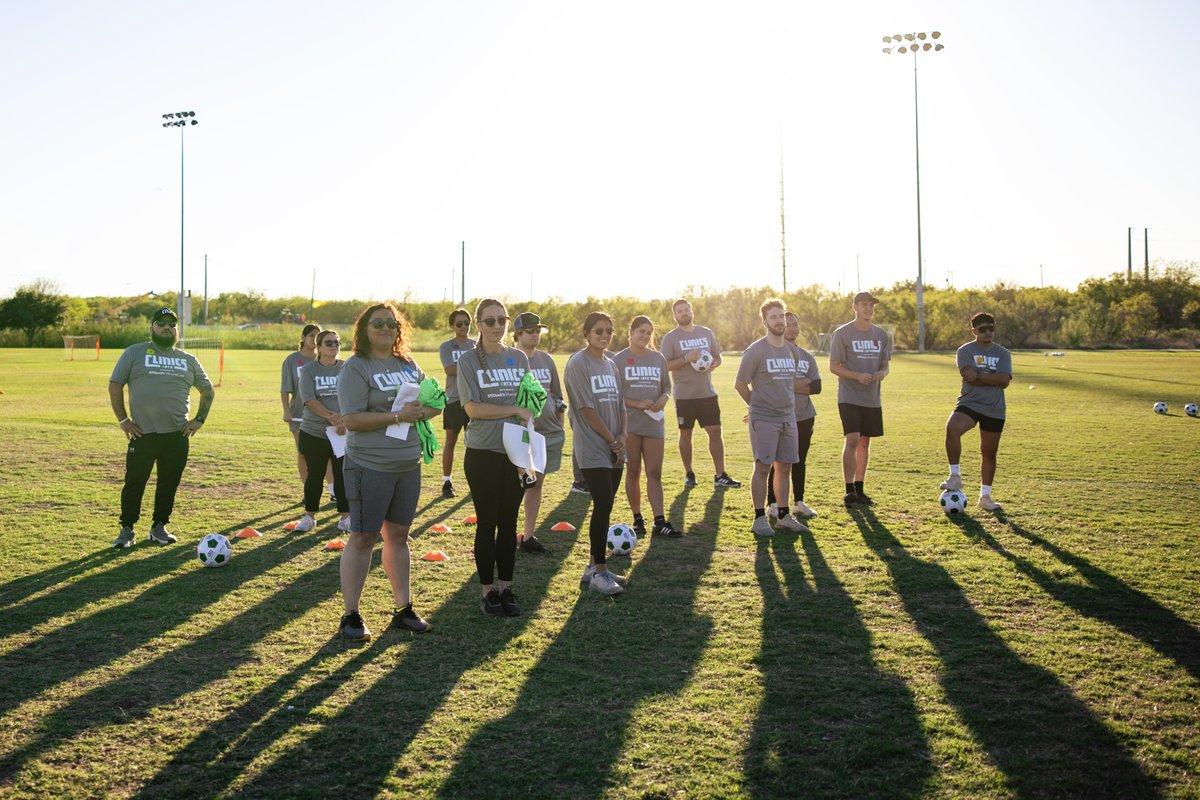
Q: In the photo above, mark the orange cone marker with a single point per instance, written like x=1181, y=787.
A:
x=247, y=533
x=470, y=519
x=562, y=526
x=291, y=526
x=434, y=555
x=440, y=528
x=335, y=544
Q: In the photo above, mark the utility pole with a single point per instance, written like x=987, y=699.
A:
x=1129, y=263
x=782, y=224
x=462, y=299
x=312, y=297
x=206, y=288
x=1147, y=255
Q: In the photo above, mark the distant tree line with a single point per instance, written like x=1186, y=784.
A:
x=1116, y=311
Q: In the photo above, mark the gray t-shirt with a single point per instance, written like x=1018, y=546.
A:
x=160, y=381
x=770, y=372
x=546, y=371
x=593, y=383
x=367, y=383
x=987, y=400
x=490, y=378
x=860, y=351
x=318, y=382
x=450, y=351
x=643, y=378
x=806, y=367
x=690, y=384
x=289, y=382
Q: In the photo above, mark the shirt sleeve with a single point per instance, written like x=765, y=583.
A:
x=961, y=359
x=1005, y=363
x=837, y=347
x=287, y=377
x=123, y=367
x=353, y=389
x=579, y=384
x=468, y=388
x=308, y=383
x=446, y=353
x=748, y=366
x=664, y=384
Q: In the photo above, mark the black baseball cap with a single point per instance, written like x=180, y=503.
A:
x=865, y=297
x=529, y=321
x=163, y=313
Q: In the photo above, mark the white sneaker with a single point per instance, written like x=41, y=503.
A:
x=790, y=523
x=762, y=527
x=802, y=509
x=773, y=511
x=605, y=583
x=344, y=524
x=306, y=524
x=987, y=503
x=590, y=571
x=951, y=483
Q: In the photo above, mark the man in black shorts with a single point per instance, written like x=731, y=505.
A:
x=986, y=370
x=859, y=354
x=453, y=417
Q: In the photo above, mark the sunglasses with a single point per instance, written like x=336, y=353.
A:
x=986, y=328
x=332, y=343
x=380, y=324
x=466, y=323
x=165, y=324
x=602, y=331
x=492, y=322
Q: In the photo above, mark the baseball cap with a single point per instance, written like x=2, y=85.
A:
x=162, y=313
x=865, y=297
x=529, y=321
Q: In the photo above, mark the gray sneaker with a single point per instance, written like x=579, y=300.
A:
x=762, y=527
x=605, y=583
x=124, y=538
x=789, y=523
x=160, y=535
x=589, y=572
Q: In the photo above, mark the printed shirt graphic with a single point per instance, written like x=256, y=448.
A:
x=289, y=381
x=450, y=352
x=860, y=351
x=987, y=400
x=644, y=378
x=689, y=384
x=546, y=371
x=490, y=378
x=806, y=367
x=370, y=384
x=770, y=372
x=595, y=384
x=160, y=381
x=319, y=382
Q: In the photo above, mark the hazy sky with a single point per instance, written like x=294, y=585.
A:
x=599, y=148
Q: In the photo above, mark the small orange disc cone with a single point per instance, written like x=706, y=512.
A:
x=562, y=526
x=434, y=555
x=247, y=533
x=335, y=544
x=470, y=519
x=291, y=526
x=440, y=528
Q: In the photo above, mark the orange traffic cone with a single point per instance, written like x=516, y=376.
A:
x=335, y=544
x=440, y=528
x=247, y=533
x=562, y=526
x=470, y=519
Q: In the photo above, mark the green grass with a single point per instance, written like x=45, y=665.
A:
x=1051, y=651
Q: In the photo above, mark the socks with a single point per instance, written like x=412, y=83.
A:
x=659, y=519
x=956, y=469
x=445, y=479
x=758, y=512
x=985, y=491
x=858, y=486
x=850, y=489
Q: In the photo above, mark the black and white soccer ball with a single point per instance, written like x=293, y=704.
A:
x=1160, y=407
x=621, y=540
x=703, y=362
x=214, y=550
x=1191, y=410
x=953, y=502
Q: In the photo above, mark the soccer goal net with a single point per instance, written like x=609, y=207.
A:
x=81, y=347
x=211, y=353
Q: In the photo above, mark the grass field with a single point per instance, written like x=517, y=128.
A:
x=1051, y=651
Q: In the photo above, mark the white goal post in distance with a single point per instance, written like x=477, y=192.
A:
x=83, y=347
x=211, y=353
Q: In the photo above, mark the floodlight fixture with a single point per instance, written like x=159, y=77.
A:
x=180, y=119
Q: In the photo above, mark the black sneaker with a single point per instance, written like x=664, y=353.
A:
x=508, y=601
x=491, y=604
x=863, y=500
x=639, y=527
x=723, y=481
x=447, y=489
x=407, y=619
x=579, y=487
x=353, y=628
x=665, y=528
x=530, y=544
x=690, y=480
x=850, y=499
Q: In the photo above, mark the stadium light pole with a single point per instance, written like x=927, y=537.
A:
x=903, y=43
x=181, y=120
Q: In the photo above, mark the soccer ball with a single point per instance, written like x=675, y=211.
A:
x=1160, y=408
x=214, y=550
x=621, y=540
x=1191, y=410
x=704, y=361
x=953, y=502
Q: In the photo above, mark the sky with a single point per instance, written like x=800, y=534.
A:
x=590, y=149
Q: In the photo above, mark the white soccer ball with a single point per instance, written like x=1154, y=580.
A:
x=1160, y=407
x=621, y=540
x=953, y=502
x=703, y=362
x=1191, y=410
x=214, y=550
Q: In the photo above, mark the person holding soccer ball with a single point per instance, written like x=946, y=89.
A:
x=986, y=370
x=383, y=462
x=160, y=378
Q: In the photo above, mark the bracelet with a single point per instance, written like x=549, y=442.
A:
x=122, y=421
x=396, y=414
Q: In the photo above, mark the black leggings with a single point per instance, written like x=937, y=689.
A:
x=496, y=491
x=804, y=432
x=603, y=483
x=318, y=452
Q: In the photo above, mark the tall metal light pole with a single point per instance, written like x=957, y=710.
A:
x=180, y=119
x=904, y=43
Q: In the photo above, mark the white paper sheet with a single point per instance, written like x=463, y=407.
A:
x=404, y=395
x=337, y=440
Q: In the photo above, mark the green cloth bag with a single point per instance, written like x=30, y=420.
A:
x=430, y=394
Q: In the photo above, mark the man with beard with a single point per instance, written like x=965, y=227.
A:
x=160, y=378
x=808, y=383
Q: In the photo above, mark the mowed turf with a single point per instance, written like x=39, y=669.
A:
x=1051, y=651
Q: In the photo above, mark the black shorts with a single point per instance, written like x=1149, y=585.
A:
x=454, y=418
x=989, y=424
x=705, y=410
x=863, y=420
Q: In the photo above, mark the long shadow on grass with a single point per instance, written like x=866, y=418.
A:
x=831, y=724
x=1105, y=598
x=15, y=591
x=358, y=747
x=1045, y=741
x=576, y=705
x=179, y=671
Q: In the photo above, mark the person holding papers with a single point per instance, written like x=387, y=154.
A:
x=320, y=426
x=377, y=394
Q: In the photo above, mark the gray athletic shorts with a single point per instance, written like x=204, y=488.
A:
x=377, y=496
x=772, y=441
x=554, y=448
